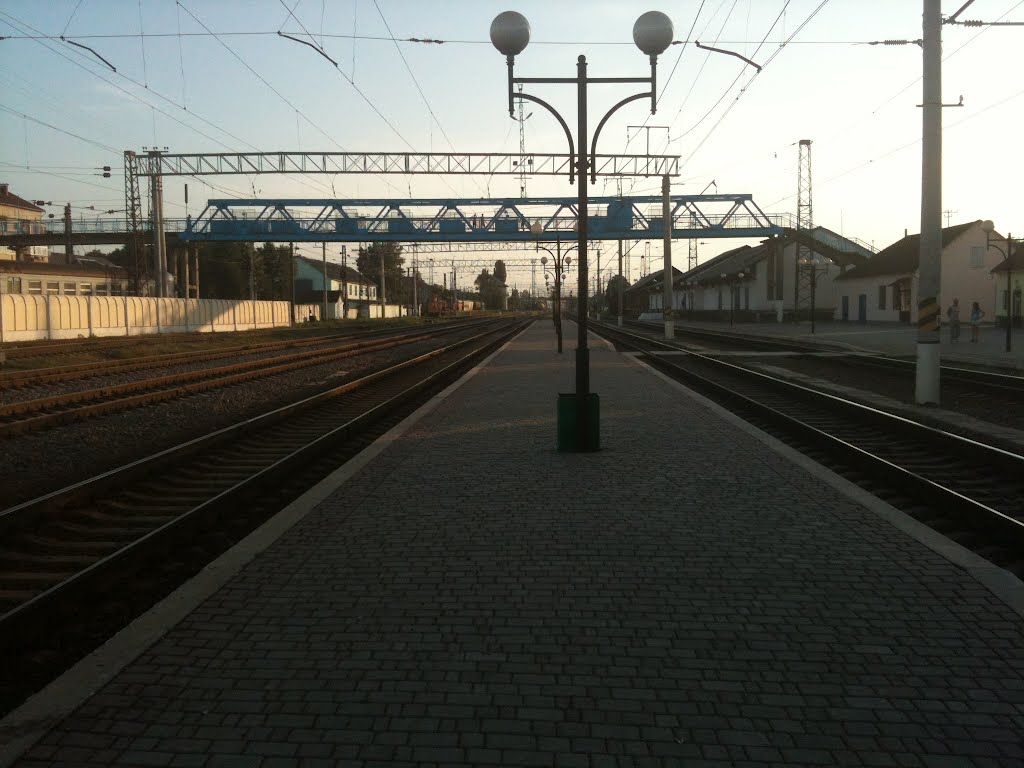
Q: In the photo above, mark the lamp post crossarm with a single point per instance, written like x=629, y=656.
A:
x=561, y=122
x=608, y=114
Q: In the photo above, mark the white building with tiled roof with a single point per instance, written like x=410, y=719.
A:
x=17, y=209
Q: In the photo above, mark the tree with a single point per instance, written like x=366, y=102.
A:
x=612, y=293
x=368, y=263
x=492, y=292
x=499, y=271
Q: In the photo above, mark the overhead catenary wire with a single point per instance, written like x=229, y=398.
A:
x=754, y=77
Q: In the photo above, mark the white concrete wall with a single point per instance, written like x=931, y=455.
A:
x=27, y=318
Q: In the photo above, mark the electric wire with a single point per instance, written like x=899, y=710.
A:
x=263, y=80
x=754, y=77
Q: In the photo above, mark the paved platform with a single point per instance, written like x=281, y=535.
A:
x=692, y=595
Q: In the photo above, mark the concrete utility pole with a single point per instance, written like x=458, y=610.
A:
x=415, y=294
x=344, y=283
x=930, y=263
x=291, y=283
x=666, y=215
x=69, y=249
x=323, y=255
x=252, y=271
x=383, y=306
x=620, y=283
x=159, y=243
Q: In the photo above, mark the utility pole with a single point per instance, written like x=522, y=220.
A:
x=69, y=249
x=930, y=265
x=291, y=284
x=323, y=255
x=344, y=283
x=455, y=292
x=252, y=272
x=415, y=279
x=159, y=243
x=620, y=283
x=383, y=300
x=666, y=276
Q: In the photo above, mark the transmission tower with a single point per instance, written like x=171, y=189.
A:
x=805, y=268
x=133, y=212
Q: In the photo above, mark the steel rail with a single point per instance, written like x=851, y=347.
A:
x=1003, y=524
x=30, y=415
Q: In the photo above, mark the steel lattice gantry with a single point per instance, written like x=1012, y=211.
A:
x=478, y=220
x=156, y=163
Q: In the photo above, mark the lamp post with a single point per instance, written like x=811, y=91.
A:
x=989, y=228
x=560, y=263
x=510, y=34
x=734, y=291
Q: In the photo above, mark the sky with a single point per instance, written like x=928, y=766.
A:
x=215, y=76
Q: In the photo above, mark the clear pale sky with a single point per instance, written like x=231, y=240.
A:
x=855, y=101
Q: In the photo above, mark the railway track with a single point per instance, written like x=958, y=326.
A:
x=38, y=413
x=120, y=541
x=987, y=395
x=37, y=377
x=970, y=491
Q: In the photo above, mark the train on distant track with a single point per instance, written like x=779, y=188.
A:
x=438, y=306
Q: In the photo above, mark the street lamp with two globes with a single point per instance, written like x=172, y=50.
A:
x=578, y=422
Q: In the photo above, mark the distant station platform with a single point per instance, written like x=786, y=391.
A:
x=694, y=594
x=891, y=339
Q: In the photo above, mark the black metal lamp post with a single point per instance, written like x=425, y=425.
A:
x=510, y=34
x=989, y=227
x=560, y=263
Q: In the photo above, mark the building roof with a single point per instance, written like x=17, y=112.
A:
x=649, y=281
x=730, y=262
x=1013, y=264
x=902, y=257
x=334, y=271
x=9, y=198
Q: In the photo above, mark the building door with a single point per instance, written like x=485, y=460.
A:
x=862, y=308
x=1015, y=316
x=846, y=308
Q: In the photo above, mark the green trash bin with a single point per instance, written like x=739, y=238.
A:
x=568, y=439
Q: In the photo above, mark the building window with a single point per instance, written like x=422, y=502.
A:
x=13, y=285
x=1006, y=300
x=881, y=296
x=35, y=287
x=52, y=288
x=85, y=289
x=977, y=257
x=70, y=289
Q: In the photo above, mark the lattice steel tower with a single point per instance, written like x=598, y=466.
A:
x=805, y=282
x=133, y=213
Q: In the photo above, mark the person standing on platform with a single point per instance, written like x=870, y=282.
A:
x=953, y=314
x=976, y=315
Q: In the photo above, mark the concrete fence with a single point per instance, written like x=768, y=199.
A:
x=28, y=318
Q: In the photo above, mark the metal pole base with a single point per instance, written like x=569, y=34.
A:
x=670, y=329
x=927, y=385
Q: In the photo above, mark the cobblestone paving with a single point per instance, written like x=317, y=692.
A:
x=684, y=597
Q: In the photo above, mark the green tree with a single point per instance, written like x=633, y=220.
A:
x=492, y=292
x=368, y=263
x=499, y=271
